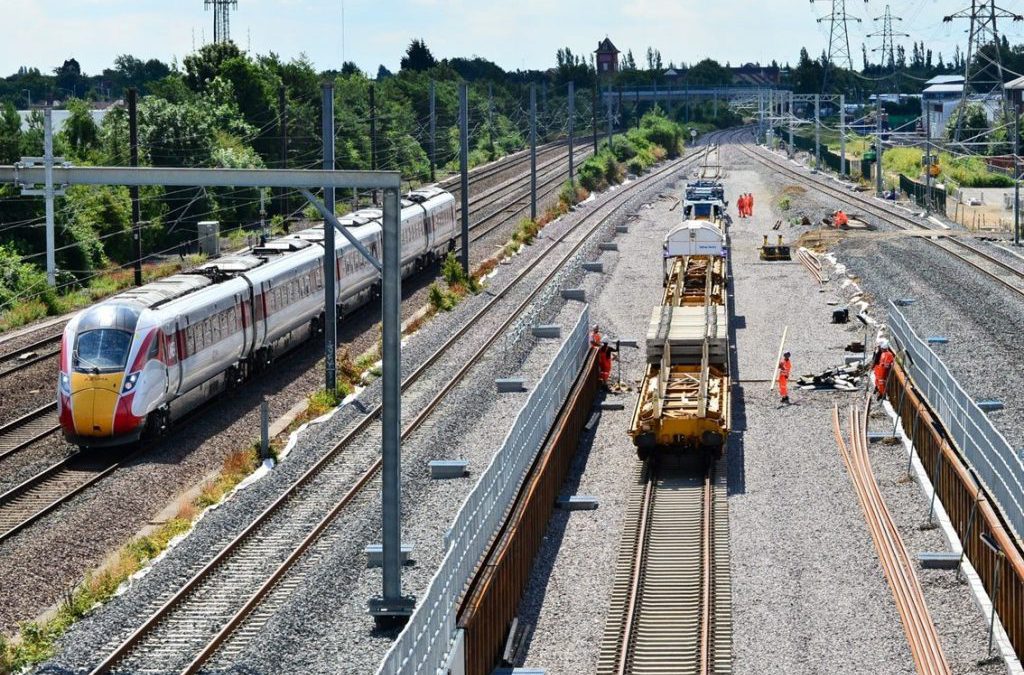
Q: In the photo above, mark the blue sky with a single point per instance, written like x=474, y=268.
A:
x=515, y=34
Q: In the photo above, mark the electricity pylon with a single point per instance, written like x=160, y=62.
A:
x=888, y=35
x=838, y=38
x=983, y=69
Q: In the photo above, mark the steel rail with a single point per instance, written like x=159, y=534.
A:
x=25, y=430
x=922, y=636
x=124, y=649
x=707, y=594
x=633, y=604
x=45, y=491
x=25, y=356
x=1016, y=283
x=37, y=496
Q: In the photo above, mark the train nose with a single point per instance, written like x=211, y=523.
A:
x=93, y=411
x=94, y=401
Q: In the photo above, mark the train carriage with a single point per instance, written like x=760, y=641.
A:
x=133, y=363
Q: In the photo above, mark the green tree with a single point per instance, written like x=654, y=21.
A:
x=418, y=57
x=80, y=132
x=10, y=134
x=204, y=65
x=975, y=121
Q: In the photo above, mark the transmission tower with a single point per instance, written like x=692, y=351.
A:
x=888, y=35
x=986, y=76
x=838, y=38
x=221, y=18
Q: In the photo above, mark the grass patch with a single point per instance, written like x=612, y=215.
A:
x=236, y=466
x=36, y=641
x=784, y=203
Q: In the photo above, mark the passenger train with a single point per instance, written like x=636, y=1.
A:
x=132, y=364
x=684, y=401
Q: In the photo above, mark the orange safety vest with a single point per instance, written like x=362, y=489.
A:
x=785, y=367
x=595, y=339
x=604, y=363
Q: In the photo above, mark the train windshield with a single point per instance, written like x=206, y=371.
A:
x=102, y=350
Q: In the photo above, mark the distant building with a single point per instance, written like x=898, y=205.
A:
x=754, y=75
x=942, y=95
x=607, y=58
x=1015, y=89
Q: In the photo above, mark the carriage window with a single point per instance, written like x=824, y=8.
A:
x=154, y=348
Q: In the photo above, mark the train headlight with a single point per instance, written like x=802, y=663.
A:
x=65, y=384
x=129, y=383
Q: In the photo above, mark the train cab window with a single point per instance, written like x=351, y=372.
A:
x=154, y=348
x=103, y=350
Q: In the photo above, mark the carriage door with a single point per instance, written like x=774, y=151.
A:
x=172, y=357
x=428, y=229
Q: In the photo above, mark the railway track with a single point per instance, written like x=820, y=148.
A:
x=988, y=264
x=47, y=490
x=671, y=604
x=191, y=625
x=31, y=427
x=23, y=357
x=29, y=501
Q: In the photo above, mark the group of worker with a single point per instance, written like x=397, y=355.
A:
x=745, y=205
x=881, y=366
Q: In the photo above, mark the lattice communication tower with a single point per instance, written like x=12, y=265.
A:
x=221, y=18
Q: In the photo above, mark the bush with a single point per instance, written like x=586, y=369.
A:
x=440, y=299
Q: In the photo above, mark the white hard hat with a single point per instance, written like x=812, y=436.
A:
x=883, y=343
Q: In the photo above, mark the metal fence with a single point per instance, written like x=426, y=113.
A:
x=423, y=645
x=994, y=461
x=919, y=193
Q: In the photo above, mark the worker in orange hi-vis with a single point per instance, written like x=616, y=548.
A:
x=750, y=204
x=882, y=368
x=595, y=336
x=604, y=362
x=785, y=368
x=740, y=204
x=840, y=219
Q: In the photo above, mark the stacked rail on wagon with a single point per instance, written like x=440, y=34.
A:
x=684, y=402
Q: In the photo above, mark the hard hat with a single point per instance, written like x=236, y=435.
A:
x=786, y=355
x=595, y=327
x=883, y=343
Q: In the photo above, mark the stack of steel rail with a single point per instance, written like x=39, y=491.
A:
x=896, y=561
x=810, y=261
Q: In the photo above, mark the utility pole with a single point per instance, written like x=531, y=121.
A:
x=817, y=131
x=533, y=152
x=263, y=216
x=610, y=120
x=373, y=128
x=464, y=169
x=572, y=119
x=433, y=133
x=490, y=118
x=330, y=299
x=593, y=114
x=842, y=134
x=282, y=119
x=928, y=160
x=792, y=116
x=373, y=134
x=637, y=106
x=1016, y=175
x=133, y=191
x=51, y=262
x=838, y=39
x=878, y=150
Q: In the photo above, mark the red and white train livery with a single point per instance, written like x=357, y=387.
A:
x=133, y=363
